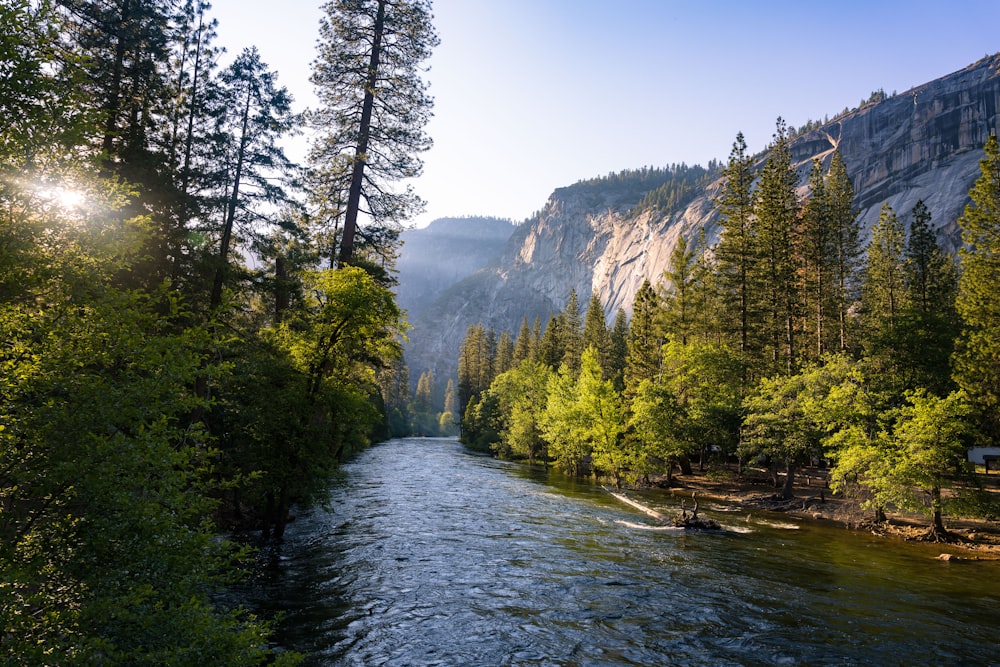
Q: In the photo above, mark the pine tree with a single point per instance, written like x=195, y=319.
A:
x=929, y=318
x=373, y=108
x=977, y=357
x=422, y=412
x=260, y=116
x=736, y=253
x=645, y=339
x=572, y=333
x=505, y=353
x=551, y=344
x=619, y=351
x=882, y=294
x=777, y=211
x=818, y=254
x=476, y=364
x=682, y=293
x=125, y=49
x=883, y=289
x=596, y=333
x=524, y=344
x=847, y=246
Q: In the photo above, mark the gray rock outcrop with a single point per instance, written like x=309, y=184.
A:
x=924, y=143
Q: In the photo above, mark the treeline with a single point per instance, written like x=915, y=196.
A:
x=786, y=342
x=188, y=343
x=415, y=411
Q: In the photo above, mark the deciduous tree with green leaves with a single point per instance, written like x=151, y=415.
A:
x=603, y=420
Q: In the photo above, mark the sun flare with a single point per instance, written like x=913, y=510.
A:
x=64, y=196
x=68, y=197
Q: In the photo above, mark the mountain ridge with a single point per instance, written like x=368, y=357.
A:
x=924, y=143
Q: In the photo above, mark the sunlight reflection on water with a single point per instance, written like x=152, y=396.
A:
x=431, y=555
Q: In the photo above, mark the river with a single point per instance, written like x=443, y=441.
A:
x=431, y=555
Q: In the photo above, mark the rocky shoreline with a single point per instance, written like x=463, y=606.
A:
x=976, y=539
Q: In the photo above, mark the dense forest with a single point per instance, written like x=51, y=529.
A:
x=195, y=331
x=788, y=342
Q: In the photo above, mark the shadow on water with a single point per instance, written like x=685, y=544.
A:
x=431, y=555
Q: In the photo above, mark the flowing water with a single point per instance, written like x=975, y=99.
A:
x=431, y=555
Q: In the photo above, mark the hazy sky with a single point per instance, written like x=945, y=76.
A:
x=531, y=95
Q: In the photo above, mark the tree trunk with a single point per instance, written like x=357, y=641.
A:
x=364, y=132
x=685, y=464
x=227, y=230
x=282, y=296
x=788, y=491
x=113, y=103
x=936, y=504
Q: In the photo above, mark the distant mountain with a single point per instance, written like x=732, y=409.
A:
x=444, y=252
x=608, y=235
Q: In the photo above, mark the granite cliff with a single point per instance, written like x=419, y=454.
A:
x=924, y=143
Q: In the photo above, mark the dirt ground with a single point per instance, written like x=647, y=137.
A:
x=975, y=539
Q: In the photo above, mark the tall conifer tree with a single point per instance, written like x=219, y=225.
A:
x=777, y=212
x=596, y=333
x=372, y=112
x=737, y=251
x=977, y=357
x=847, y=246
x=645, y=339
x=930, y=321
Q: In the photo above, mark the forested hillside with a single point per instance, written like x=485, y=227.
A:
x=787, y=341
x=192, y=341
x=608, y=235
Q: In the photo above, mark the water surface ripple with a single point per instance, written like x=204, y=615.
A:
x=431, y=555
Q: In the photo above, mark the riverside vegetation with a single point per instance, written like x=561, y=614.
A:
x=197, y=331
x=194, y=330
x=787, y=343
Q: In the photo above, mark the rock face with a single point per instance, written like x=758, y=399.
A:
x=924, y=143
x=441, y=254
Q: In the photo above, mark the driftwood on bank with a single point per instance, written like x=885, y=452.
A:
x=684, y=520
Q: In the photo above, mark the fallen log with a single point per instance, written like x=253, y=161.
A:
x=685, y=520
x=639, y=506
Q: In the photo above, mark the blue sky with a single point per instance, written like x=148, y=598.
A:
x=531, y=95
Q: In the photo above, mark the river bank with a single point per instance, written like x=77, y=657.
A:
x=814, y=501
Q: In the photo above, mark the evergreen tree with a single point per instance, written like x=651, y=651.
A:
x=422, y=412
x=847, y=246
x=818, y=255
x=777, y=212
x=259, y=116
x=737, y=253
x=572, y=333
x=395, y=384
x=536, y=339
x=524, y=344
x=505, y=353
x=475, y=363
x=449, y=417
x=619, y=351
x=125, y=49
x=373, y=107
x=645, y=339
x=683, y=295
x=883, y=288
x=977, y=355
x=551, y=345
x=929, y=318
x=596, y=333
